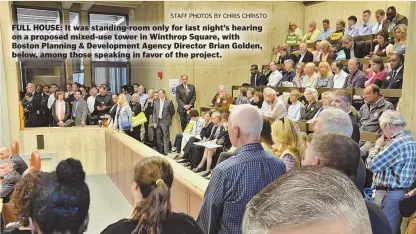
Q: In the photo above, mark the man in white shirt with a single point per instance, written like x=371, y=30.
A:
x=275, y=76
x=91, y=104
x=380, y=17
x=198, y=123
x=273, y=108
x=367, y=27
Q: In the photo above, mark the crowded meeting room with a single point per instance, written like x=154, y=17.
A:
x=310, y=132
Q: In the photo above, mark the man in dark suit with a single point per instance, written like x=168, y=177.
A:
x=185, y=97
x=36, y=114
x=353, y=49
x=79, y=109
x=163, y=112
x=257, y=78
x=356, y=78
x=394, y=79
x=18, y=163
x=393, y=19
x=305, y=56
x=10, y=179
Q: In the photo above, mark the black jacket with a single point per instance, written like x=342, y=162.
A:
x=206, y=131
x=19, y=164
x=360, y=50
x=282, y=59
x=355, y=128
x=260, y=80
x=309, y=111
x=8, y=185
x=287, y=76
x=308, y=58
x=395, y=82
x=55, y=118
x=103, y=101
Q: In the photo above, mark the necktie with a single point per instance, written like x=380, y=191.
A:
x=186, y=90
x=255, y=80
x=378, y=27
x=75, y=109
x=394, y=75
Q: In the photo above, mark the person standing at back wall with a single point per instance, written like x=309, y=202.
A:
x=185, y=97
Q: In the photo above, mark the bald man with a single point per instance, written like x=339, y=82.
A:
x=235, y=181
x=18, y=163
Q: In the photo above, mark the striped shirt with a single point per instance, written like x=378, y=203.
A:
x=394, y=165
x=233, y=183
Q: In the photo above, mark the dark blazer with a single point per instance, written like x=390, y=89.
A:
x=355, y=128
x=260, y=80
x=168, y=111
x=360, y=50
x=81, y=112
x=182, y=99
x=355, y=80
x=136, y=108
x=19, y=164
x=400, y=19
x=391, y=82
x=282, y=59
x=36, y=111
x=331, y=57
x=55, y=118
x=307, y=58
x=309, y=111
x=287, y=76
x=8, y=185
x=113, y=112
x=206, y=131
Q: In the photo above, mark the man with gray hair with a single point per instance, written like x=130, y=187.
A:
x=311, y=200
x=238, y=179
x=10, y=179
x=341, y=99
x=333, y=120
x=353, y=49
x=18, y=163
x=393, y=162
x=356, y=78
x=313, y=33
x=289, y=73
x=273, y=108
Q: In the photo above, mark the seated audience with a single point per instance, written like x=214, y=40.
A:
x=352, y=29
x=312, y=34
x=18, y=163
x=325, y=103
x=257, y=78
x=356, y=78
x=340, y=26
x=352, y=49
x=294, y=30
x=310, y=79
x=393, y=20
x=60, y=110
x=378, y=72
x=10, y=178
x=49, y=206
x=300, y=73
x=316, y=200
x=317, y=51
x=370, y=112
x=288, y=73
x=288, y=145
x=312, y=106
x=339, y=74
x=275, y=75
x=341, y=99
x=222, y=139
x=400, y=35
x=222, y=99
x=342, y=154
x=324, y=35
x=380, y=17
x=305, y=55
x=394, y=79
x=250, y=94
x=20, y=199
x=285, y=55
x=327, y=52
x=153, y=179
x=275, y=53
x=242, y=96
x=367, y=25
x=383, y=48
x=197, y=125
x=232, y=184
x=294, y=110
x=325, y=76
x=392, y=160
x=123, y=119
x=79, y=109
x=333, y=120
x=257, y=99
x=273, y=108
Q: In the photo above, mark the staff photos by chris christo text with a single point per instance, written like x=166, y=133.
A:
x=208, y=41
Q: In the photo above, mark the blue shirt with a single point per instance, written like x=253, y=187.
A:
x=366, y=29
x=233, y=183
x=352, y=31
x=325, y=34
x=394, y=165
x=142, y=100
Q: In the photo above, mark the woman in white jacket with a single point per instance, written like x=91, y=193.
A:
x=123, y=119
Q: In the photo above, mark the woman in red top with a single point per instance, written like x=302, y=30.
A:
x=377, y=73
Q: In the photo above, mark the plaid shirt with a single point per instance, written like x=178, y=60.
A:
x=233, y=183
x=394, y=166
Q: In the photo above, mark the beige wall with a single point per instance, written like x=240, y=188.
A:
x=334, y=10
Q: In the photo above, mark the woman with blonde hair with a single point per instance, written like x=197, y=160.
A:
x=327, y=52
x=400, y=35
x=294, y=30
x=317, y=52
x=288, y=143
x=275, y=53
x=326, y=78
x=123, y=119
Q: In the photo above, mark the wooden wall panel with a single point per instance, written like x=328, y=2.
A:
x=179, y=194
x=195, y=203
x=334, y=10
